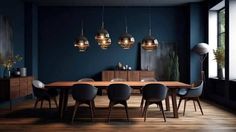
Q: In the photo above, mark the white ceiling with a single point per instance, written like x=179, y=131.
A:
x=113, y=2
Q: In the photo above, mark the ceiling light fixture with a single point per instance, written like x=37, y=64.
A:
x=149, y=43
x=82, y=42
x=126, y=40
x=102, y=37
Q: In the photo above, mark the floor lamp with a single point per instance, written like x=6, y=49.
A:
x=201, y=49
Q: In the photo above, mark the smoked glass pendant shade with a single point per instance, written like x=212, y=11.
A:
x=126, y=41
x=149, y=43
x=81, y=43
x=103, y=38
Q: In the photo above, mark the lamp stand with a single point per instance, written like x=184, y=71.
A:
x=202, y=58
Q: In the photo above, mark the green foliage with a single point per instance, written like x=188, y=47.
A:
x=10, y=61
x=173, y=67
x=220, y=56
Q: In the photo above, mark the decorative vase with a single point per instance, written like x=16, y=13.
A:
x=220, y=73
x=7, y=73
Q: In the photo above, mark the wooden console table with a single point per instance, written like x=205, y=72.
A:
x=12, y=88
x=127, y=75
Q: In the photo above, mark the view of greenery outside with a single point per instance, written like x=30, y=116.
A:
x=221, y=33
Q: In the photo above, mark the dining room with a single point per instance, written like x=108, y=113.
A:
x=100, y=65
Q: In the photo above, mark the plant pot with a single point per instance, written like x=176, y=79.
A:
x=221, y=73
x=7, y=73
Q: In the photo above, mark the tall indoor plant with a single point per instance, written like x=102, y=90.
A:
x=220, y=59
x=173, y=67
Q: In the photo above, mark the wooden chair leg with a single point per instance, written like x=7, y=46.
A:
x=198, y=101
x=126, y=110
x=41, y=104
x=180, y=100
x=141, y=104
x=49, y=102
x=194, y=105
x=35, y=104
x=91, y=109
x=184, y=106
x=110, y=108
x=93, y=104
x=162, y=110
x=145, y=110
x=55, y=100
x=74, y=112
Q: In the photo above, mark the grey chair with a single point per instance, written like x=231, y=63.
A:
x=86, y=80
x=118, y=80
x=84, y=94
x=191, y=94
x=118, y=94
x=154, y=94
x=42, y=94
x=145, y=80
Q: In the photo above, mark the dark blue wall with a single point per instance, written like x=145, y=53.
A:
x=14, y=9
x=59, y=26
x=198, y=24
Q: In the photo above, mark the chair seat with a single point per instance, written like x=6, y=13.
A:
x=182, y=92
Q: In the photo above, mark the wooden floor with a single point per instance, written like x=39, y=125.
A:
x=25, y=118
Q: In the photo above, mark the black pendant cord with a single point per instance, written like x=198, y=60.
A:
x=82, y=28
x=126, y=27
x=103, y=16
x=150, y=24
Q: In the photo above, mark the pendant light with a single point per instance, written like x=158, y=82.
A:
x=82, y=42
x=149, y=43
x=126, y=40
x=102, y=37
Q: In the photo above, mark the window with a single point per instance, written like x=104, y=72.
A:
x=217, y=41
x=232, y=40
x=220, y=51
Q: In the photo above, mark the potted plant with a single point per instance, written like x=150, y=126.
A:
x=8, y=63
x=173, y=67
x=220, y=59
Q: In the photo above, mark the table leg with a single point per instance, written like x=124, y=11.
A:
x=174, y=103
x=63, y=101
x=167, y=103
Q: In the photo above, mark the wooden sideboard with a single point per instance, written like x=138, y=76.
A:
x=12, y=88
x=127, y=75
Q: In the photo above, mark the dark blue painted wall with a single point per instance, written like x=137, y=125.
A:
x=197, y=35
x=59, y=26
x=31, y=39
x=14, y=9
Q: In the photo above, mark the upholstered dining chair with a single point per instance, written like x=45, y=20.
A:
x=84, y=94
x=145, y=80
x=118, y=93
x=154, y=94
x=42, y=94
x=86, y=80
x=191, y=94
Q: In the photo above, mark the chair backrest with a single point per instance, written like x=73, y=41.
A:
x=155, y=92
x=84, y=92
x=38, y=84
x=86, y=80
x=118, y=92
x=118, y=80
x=195, y=91
x=38, y=89
x=148, y=80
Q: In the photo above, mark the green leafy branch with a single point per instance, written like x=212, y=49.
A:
x=220, y=56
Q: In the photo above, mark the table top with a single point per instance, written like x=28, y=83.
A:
x=170, y=84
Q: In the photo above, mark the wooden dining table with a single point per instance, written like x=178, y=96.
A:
x=65, y=86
